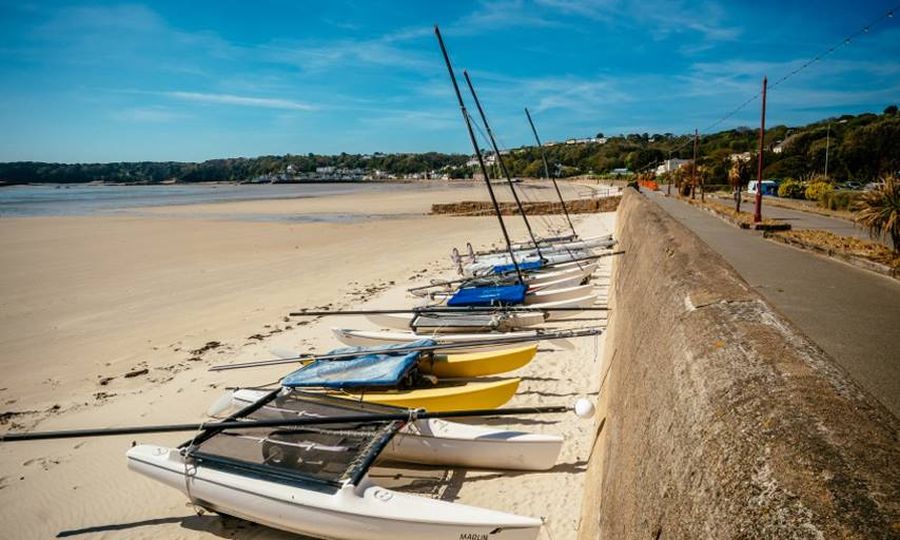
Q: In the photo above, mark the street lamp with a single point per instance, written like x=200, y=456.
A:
x=827, y=142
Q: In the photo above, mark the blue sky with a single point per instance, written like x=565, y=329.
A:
x=110, y=81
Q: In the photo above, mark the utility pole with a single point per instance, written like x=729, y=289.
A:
x=757, y=211
x=696, y=172
x=827, y=141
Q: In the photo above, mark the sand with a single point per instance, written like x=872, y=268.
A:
x=163, y=293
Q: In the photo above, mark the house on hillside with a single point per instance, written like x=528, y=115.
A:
x=742, y=156
x=587, y=140
x=670, y=165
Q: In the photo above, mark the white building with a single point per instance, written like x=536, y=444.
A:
x=670, y=165
x=489, y=159
x=587, y=140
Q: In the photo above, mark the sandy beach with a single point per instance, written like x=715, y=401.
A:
x=113, y=320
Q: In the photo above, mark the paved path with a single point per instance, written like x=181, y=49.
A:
x=853, y=314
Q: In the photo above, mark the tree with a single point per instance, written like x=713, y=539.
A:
x=890, y=110
x=739, y=176
x=878, y=211
x=600, y=133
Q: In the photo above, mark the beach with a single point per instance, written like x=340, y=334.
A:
x=112, y=319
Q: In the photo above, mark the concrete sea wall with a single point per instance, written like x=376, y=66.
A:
x=717, y=418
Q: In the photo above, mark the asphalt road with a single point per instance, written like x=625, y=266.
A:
x=853, y=314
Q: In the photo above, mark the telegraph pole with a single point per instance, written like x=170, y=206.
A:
x=757, y=211
x=695, y=175
x=669, y=164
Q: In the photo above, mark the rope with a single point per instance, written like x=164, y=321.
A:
x=190, y=469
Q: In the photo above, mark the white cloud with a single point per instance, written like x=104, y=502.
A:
x=495, y=15
x=153, y=115
x=243, y=101
x=392, y=49
x=661, y=18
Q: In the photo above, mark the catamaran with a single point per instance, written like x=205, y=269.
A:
x=431, y=441
x=313, y=480
x=391, y=375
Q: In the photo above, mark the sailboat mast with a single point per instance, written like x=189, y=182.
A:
x=462, y=107
x=503, y=168
x=547, y=172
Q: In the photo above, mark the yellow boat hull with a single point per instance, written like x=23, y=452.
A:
x=447, y=396
x=477, y=364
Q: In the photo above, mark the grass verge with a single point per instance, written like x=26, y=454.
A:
x=863, y=253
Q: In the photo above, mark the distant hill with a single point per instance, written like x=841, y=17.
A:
x=860, y=147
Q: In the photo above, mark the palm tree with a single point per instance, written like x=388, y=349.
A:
x=739, y=175
x=878, y=211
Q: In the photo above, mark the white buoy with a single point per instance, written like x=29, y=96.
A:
x=584, y=408
x=219, y=405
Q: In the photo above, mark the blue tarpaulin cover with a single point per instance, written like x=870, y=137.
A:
x=379, y=368
x=527, y=265
x=488, y=296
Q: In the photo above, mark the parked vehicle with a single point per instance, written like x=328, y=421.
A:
x=769, y=187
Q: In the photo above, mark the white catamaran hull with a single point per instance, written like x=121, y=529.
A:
x=503, y=258
x=557, y=295
x=553, y=273
x=451, y=444
x=590, y=241
x=402, y=321
x=579, y=302
x=486, y=264
x=546, y=247
x=371, y=338
x=362, y=512
x=539, y=296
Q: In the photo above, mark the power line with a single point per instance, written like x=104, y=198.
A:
x=818, y=58
x=889, y=14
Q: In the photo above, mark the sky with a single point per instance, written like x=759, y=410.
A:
x=189, y=81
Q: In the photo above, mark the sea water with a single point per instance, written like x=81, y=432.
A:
x=92, y=199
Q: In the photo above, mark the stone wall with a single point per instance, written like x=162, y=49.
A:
x=719, y=419
x=485, y=208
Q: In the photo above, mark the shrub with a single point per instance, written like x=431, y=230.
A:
x=816, y=190
x=791, y=189
x=839, y=200
x=879, y=211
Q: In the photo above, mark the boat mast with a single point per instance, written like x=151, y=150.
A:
x=547, y=172
x=487, y=180
x=502, y=163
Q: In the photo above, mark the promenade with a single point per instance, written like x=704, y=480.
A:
x=852, y=314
